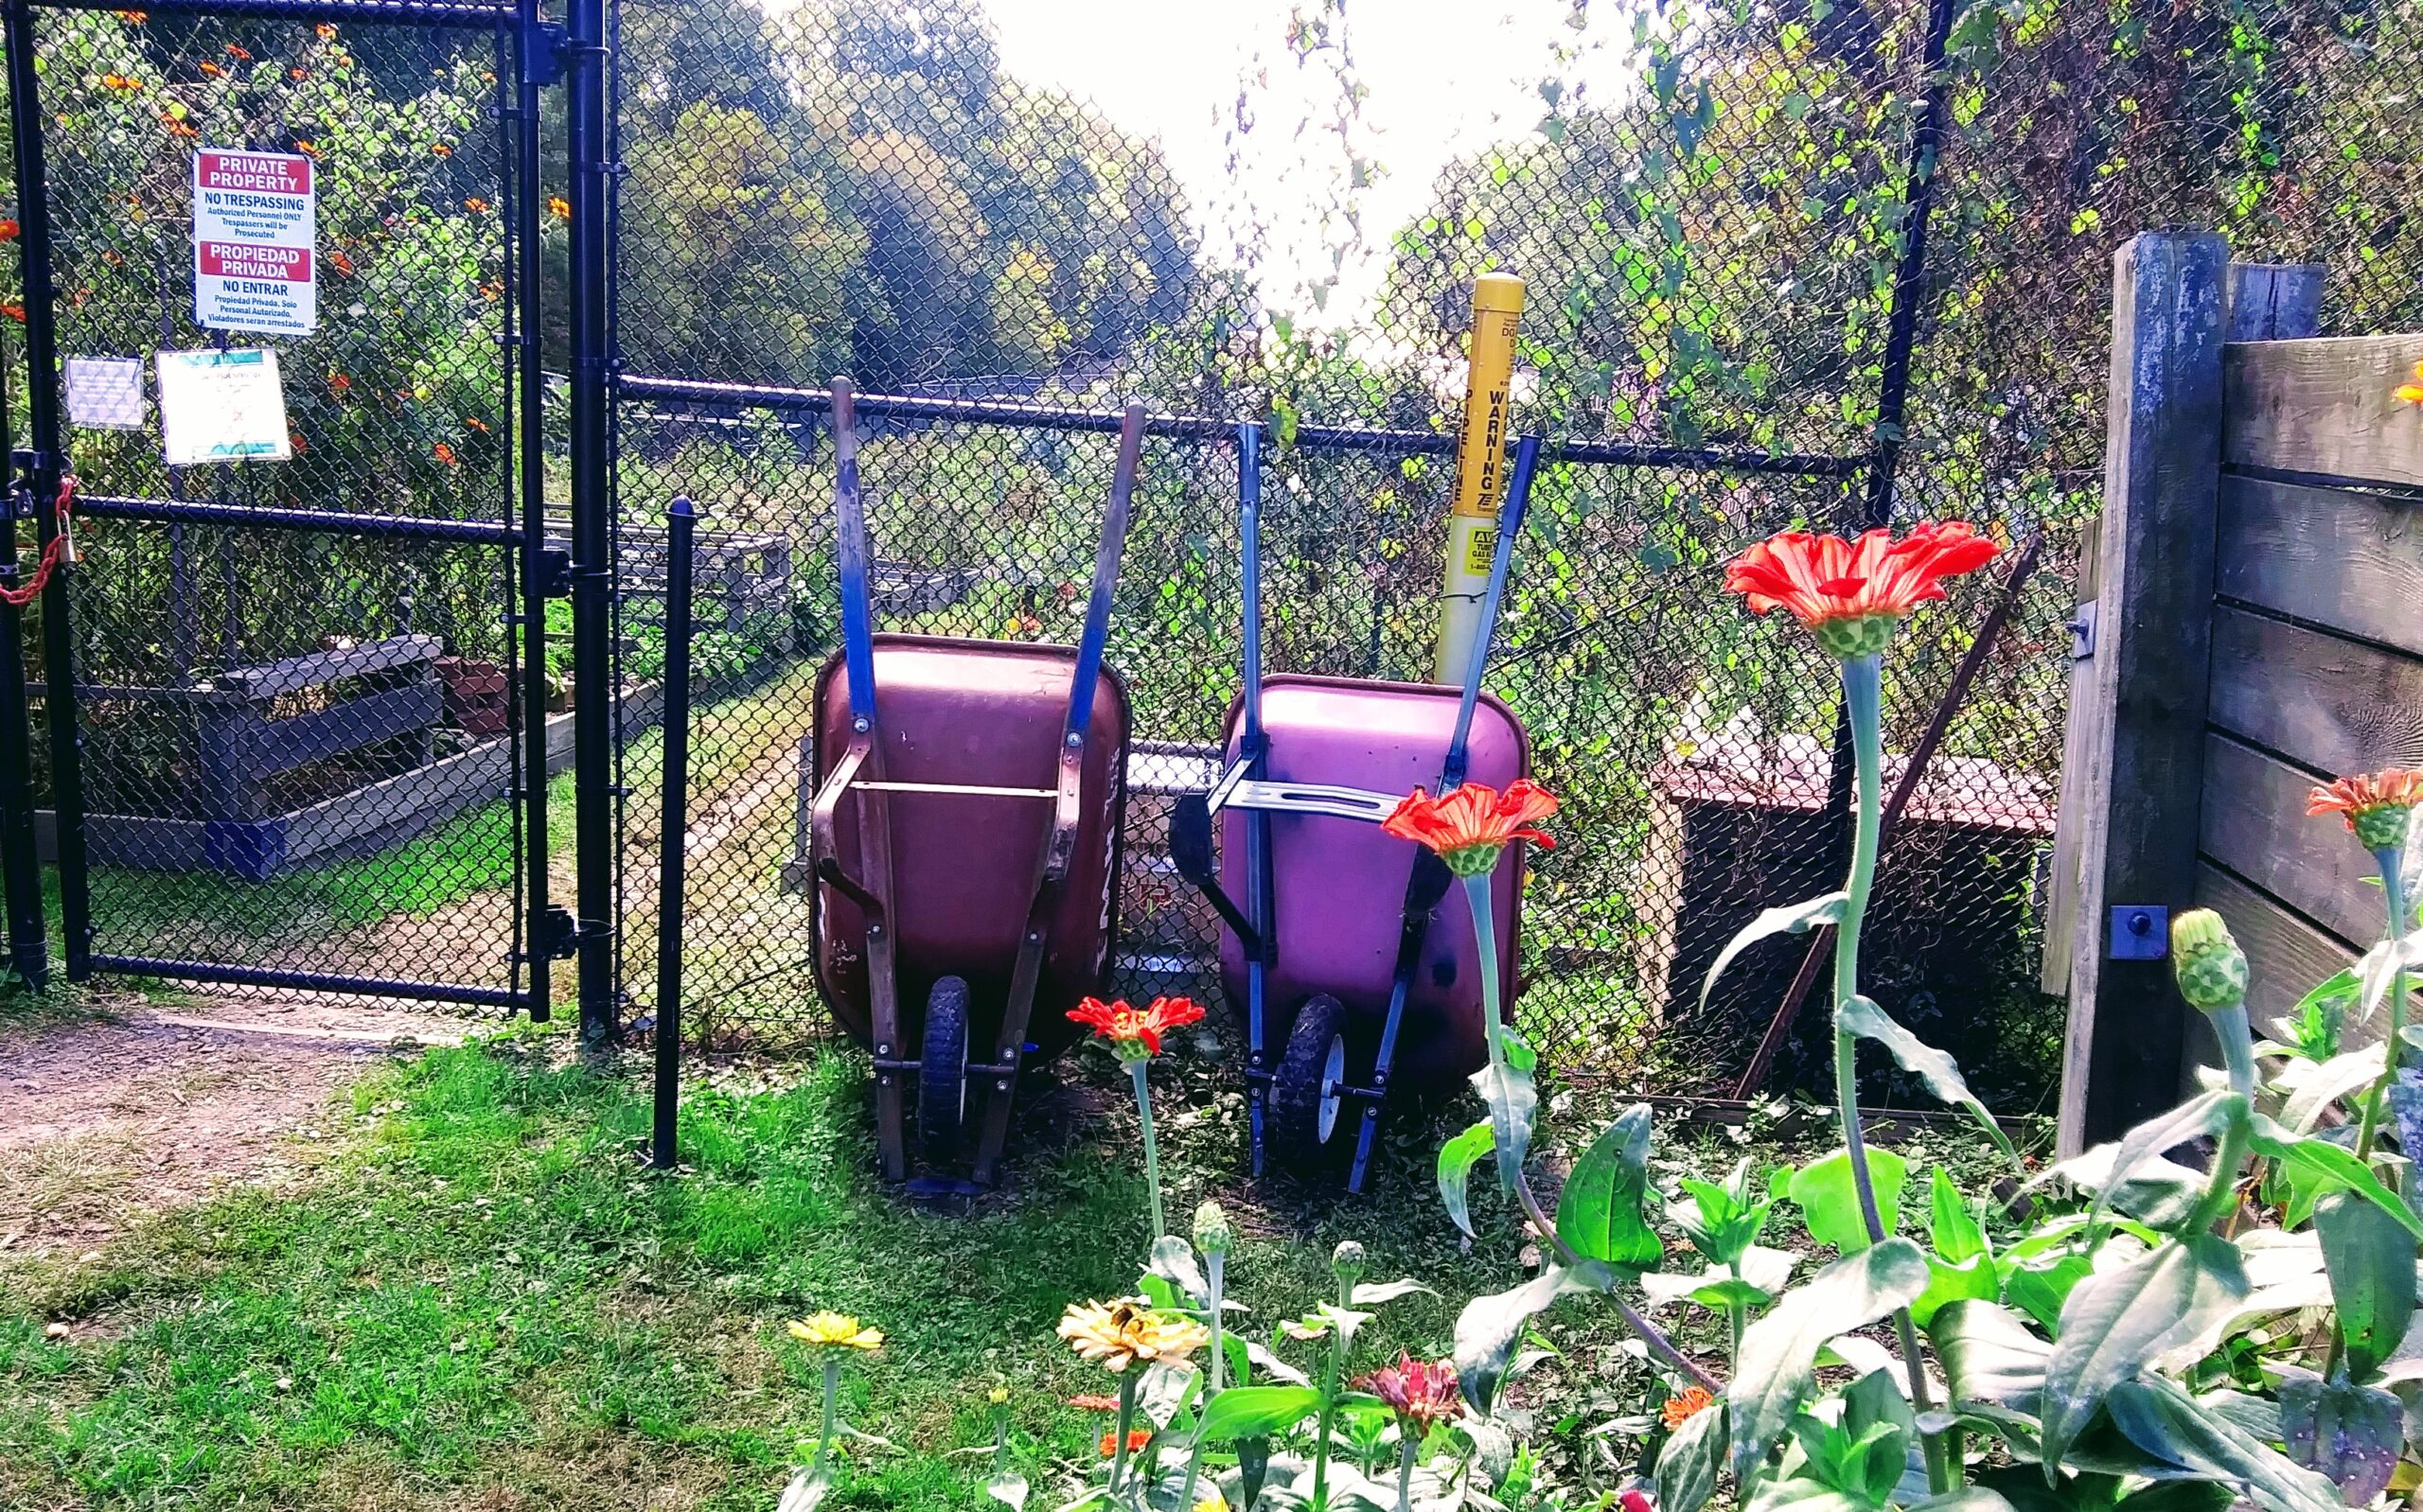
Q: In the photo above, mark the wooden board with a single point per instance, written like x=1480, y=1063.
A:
x=2350, y=561
x=2285, y=954
x=297, y=673
x=2323, y=407
x=2141, y=770
x=2254, y=823
x=2322, y=701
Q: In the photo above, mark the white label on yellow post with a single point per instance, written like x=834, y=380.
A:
x=1481, y=468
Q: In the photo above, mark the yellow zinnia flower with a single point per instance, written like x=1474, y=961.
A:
x=1215, y=1503
x=834, y=1330
x=1127, y=1328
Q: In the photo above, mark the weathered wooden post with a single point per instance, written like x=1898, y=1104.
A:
x=2130, y=809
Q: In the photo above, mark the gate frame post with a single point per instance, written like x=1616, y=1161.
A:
x=39, y=467
x=595, y=720
x=20, y=873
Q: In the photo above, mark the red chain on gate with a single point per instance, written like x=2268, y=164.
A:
x=17, y=598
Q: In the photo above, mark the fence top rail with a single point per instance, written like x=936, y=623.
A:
x=1317, y=438
x=397, y=12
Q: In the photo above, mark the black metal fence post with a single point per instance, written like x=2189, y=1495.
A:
x=595, y=715
x=40, y=465
x=664, y=1148
x=537, y=932
x=19, y=876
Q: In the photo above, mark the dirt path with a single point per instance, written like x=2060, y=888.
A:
x=105, y=1118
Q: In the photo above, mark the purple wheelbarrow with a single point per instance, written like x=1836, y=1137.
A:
x=1350, y=955
x=962, y=838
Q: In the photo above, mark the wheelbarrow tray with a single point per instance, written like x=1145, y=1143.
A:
x=1339, y=885
x=981, y=714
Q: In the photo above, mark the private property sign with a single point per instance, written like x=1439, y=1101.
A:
x=254, y=220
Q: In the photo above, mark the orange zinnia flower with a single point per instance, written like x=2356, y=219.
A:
x=178, y=128
x=559, y=207
x=234, y=51
x=2412, y=390
x=328, y=30
x=340, y=383
x=1136, y=1033
x=298, y=73
x=120, y=81
x=15, y=312
x=443, y=453
x=441, y=149
x=476, y=423
x=2375, y=805
x=1137, y=1439
x=9, y=230
x=476, y=205
x=1852, y=592
x=211, y=70
x=1470, y=826
x=294, y=440
x=340, y=262
x=307, y=149
x=132, y=18
x=1680, y=1410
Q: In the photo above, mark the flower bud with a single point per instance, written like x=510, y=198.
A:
x=1212, y=1235
x=1000, y=1395
x=2210, y=967
x=1346, y=1260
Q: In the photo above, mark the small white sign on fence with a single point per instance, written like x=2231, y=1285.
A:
x=221, y=407
x=255, y=220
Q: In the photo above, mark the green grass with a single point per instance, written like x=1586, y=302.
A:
x=481, y=1300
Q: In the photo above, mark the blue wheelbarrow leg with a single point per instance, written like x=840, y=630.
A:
x=1430, y=878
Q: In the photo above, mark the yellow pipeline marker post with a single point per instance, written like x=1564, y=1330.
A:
x=1480, y=468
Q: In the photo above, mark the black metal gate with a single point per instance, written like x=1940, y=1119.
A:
x=289, y=726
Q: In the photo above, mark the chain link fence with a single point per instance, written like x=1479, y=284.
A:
x=298, y=686
x=1805, y=265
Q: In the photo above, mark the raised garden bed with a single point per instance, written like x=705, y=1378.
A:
x=243, y=842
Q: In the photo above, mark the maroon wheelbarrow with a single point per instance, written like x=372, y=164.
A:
x=963, y=840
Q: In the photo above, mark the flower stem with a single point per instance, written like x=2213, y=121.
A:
x=1409, y=1443
x=1736, y=1318
x=1510, y=1170
x=1126, y=1419
x=832, y=1406
x=1509, y=1157
x=1140, y=1070
x=1331, y=1379
x=1215, y=1267
x=2238, y=1047
x=1863, y=703
x=2392, y=861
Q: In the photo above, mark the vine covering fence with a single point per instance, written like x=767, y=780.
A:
x=1821, y=264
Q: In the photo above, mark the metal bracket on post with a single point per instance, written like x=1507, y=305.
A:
x=562, y=936
x=555, y=574
x=2140, y=931
x=2081, y=628
x=543, y=52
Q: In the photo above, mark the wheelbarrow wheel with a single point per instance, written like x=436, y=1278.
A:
x=942, y=1072
x=1310, y=1124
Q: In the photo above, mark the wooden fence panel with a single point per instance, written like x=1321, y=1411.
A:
x=2350, y=560
x=2324, y=406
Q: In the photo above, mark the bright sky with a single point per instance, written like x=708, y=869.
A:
x=1445, y=78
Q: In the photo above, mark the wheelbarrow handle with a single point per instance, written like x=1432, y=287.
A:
x=825, y=855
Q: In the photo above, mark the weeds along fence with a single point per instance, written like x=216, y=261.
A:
x=1819, y=266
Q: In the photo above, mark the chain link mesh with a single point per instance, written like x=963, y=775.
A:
x=298, y=745
x=1714, y=210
